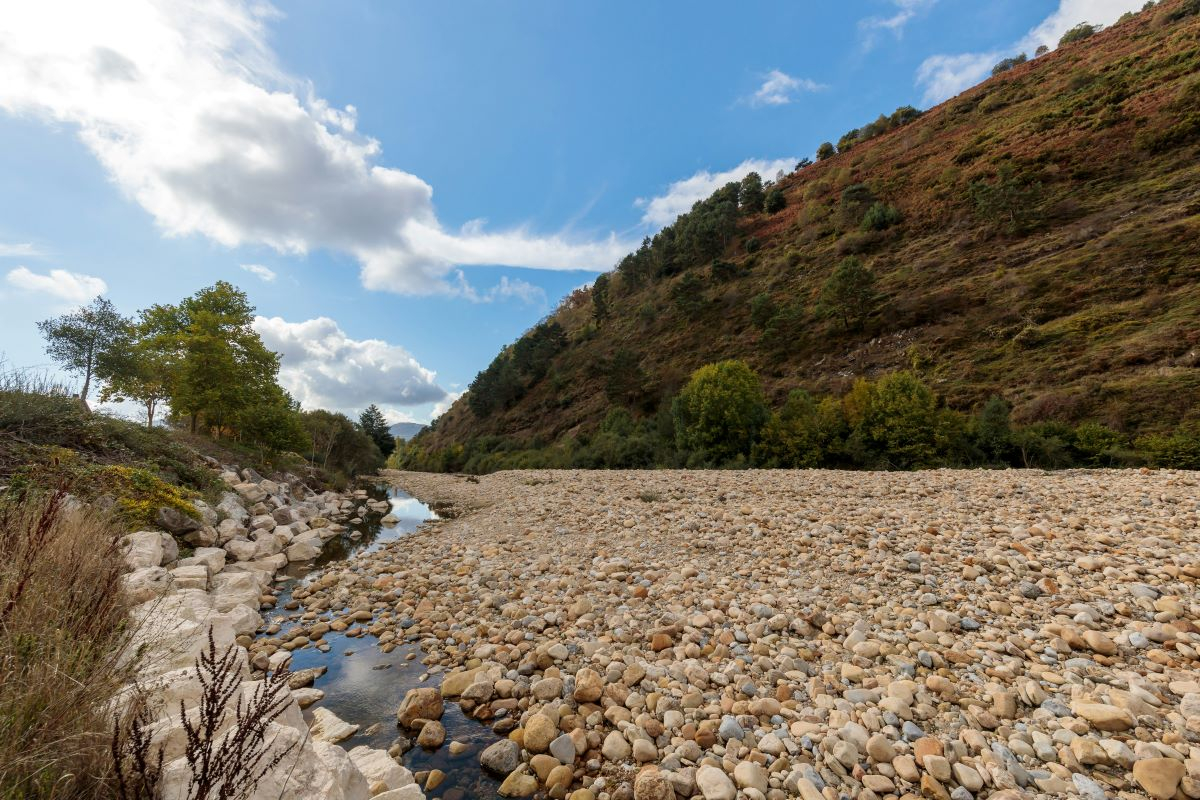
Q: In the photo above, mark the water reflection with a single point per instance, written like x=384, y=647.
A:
x=364, y=685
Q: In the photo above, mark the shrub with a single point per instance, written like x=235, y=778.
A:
x=849, y=292
x=993, y=433
x=1009, y=63
x=719, y=412
x=825, y=151
x=881, y=216
x=762, y=308
x=1178, y=450
x=792, y=437
x=752, y=244
x=1077, y=34
x=1008, y=203
x=1097, y=444
x=688, y=295
x=899, y=421
x=775, y=202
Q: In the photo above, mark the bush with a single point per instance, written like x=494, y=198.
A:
x=719, y=412
x=1009, y=63
x=1077, y=34
x=762, y=308
x=1178, y=450
x=775, y=202
x=993, y=432
x=880, y=217
x=899, y=421
x=752, y=244
x=1008, y=203
x=791, y=438
x=1097, y=444
x=688, y=295
x=63, y=625
x=825, y=151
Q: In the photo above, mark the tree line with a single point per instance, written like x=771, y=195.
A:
x=721, y=419
x=202, y=361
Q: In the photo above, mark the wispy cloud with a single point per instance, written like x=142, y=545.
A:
x=68, y=287
x=682, y=194
x=188, y=110
x=942, y=76
x=20, y=250
x=259, y=271
x=904, y=11
x=506, y=289
x=778, y=89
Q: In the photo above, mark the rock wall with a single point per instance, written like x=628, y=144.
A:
x=240, y=544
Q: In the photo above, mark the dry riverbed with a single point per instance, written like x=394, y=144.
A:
x=818, y=634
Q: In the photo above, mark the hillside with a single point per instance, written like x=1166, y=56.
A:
x=1036, y=237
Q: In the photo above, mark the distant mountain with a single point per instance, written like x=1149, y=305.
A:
x=406, y=430
x=1037, y=237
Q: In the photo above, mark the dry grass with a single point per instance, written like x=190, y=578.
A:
x=63, y=618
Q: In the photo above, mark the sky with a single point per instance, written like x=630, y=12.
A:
x=402, y=188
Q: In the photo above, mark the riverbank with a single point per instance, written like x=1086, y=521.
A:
x=958, y=634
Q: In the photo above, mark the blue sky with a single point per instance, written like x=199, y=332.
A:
x=402, y=188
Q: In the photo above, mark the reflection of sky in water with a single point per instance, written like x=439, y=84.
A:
x=366, y=688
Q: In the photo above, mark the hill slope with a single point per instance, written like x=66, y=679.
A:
x=1047, y=249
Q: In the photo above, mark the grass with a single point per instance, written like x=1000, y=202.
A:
x=63, y=620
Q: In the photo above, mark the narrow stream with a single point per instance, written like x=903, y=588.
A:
x=364, y=685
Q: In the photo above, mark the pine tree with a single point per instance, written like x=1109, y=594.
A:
x=375, y=425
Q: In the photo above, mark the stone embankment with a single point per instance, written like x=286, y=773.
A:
x=947, y=634
x=239, y=545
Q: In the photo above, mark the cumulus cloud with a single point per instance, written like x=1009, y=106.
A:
x=186, y=107
x=905, y=10
x=19, y=250
x=943, y=76
x=778, y=89
x=506, y=289
x=69, y=287
x=681, y=195
x=259, y=271
x=324, y=368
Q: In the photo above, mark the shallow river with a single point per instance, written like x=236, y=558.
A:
x=364, y=685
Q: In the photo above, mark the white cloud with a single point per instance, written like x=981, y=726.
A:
x=19, y=250
x=69, y=287
x=894, y=23
x=259, y=271
x=681, y=195
x=324, y=368
x=778, y=89
x=187, y=109
x=506, y=289
x=444, y=405
x=943, y=76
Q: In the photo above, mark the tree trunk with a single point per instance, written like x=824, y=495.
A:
x=194, y=415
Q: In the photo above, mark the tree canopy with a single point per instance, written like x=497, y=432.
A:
x=79, y=340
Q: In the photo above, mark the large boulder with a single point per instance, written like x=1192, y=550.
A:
x=251, y=492
x=378, y=767
x=329, y=727
x=191, y=577
x=232, y=507
x=230, y=529
x=143, y=549
x=422, y=703
x=303, y=551
x=231, y=589
x=211, y=557
x=241, y=549
x=147, y=583
x=175, y=521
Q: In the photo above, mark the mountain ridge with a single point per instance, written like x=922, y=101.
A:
x=1047, y=250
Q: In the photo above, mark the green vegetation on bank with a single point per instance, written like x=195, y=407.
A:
x=721, y=418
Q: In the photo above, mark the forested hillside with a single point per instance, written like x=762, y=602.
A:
x=1036, y=238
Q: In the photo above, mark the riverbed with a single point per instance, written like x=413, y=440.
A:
x=363, y=684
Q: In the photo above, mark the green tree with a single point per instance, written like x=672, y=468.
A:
x=880, y=216
x=1009, y=202
x=273, y=422
x=224, y=366
x=849, y=293
x=79, y=340
x=825, y=151
x=625, y=380
x=791, y=438
x=337, y=444
x=142, y=365
x=375, y=425
x=993, y=432
x=752, y=195
x=775, y=201
x=762, y=309
x=900, y=421
x=688, y=295
x=719, y=412
x=600, y=308
x=1077, y=34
